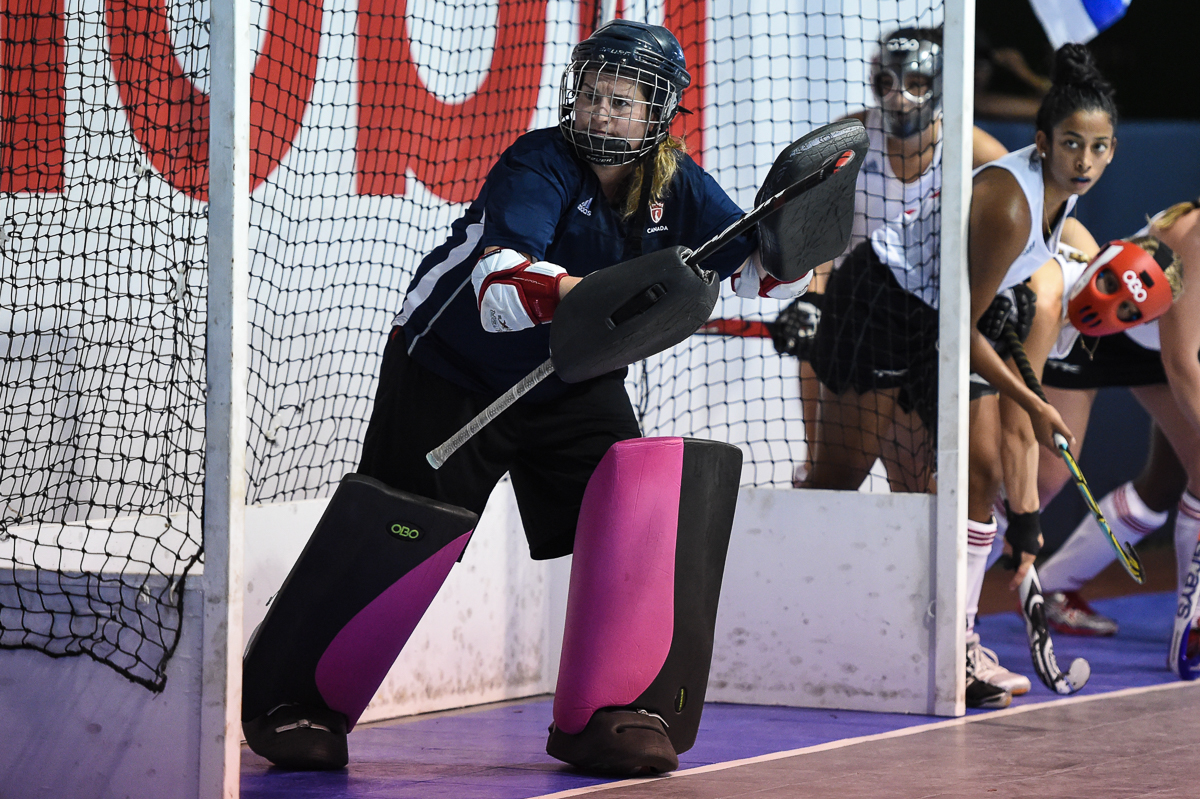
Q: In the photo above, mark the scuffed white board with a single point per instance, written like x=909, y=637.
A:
x=78, y=729
x=827, y=602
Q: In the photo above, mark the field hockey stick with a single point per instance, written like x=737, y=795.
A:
x=1126, y=554
x=740, y=328
x=830, y=167
x=1033, y=603
x=1041, y=648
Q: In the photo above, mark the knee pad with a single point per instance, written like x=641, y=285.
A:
x=365, y=578
x=649, y=555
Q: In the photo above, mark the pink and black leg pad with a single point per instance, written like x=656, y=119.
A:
x=645, y=579
x=365, y=578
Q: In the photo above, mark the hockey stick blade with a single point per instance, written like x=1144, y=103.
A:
x=1126, y=554
x=740, y=328
x=831, y=166
x=1041, y=648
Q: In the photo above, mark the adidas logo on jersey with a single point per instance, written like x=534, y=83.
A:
x=585, y=207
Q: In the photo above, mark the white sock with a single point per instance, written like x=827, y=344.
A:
x=980, y=536
x=1187, y=530
x=1001, y=529
x=1087, y=551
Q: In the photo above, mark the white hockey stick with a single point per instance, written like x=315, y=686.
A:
x=1041, y=648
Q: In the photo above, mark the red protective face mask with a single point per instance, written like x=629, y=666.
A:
x=1122, y=271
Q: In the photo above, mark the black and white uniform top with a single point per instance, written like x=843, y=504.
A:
x=541, y=200
x=1026, y=167
x=902, y=220
x=879, y=323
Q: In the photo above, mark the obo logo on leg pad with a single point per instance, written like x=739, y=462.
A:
x=404, y=531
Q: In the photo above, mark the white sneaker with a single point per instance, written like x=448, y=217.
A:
x=987, y=668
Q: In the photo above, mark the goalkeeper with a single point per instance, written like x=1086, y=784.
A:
x=607, y=185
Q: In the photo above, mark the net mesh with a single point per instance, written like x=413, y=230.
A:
x=374, y=124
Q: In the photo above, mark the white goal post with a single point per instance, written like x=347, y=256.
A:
x=763, y=87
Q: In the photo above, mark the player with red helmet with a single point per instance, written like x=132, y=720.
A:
x=1150, y=345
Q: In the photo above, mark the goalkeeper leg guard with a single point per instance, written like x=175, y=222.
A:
x=646, y=576
x=363, y=581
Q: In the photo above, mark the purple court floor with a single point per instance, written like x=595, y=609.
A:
x=497, y=752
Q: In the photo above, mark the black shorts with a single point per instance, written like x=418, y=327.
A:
x=874, y=335
x=1115, y=360
x=549, y=449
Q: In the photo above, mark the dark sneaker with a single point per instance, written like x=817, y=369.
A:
x=985, y=695
x=982, y=694
x=627, y=743
x=1070, y=614
x=986, y=666
x=300, y=738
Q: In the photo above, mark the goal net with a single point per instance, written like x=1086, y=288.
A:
x=373, y=125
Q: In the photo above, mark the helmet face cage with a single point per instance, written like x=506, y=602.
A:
x=1123, y=274
x=621, y=91
x=612, y=113
x=904, y=60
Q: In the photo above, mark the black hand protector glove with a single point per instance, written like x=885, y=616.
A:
x=1016, y=305
x=1023, y=535
x=794, y=328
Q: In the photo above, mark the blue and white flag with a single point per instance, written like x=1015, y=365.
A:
x=1077, y=20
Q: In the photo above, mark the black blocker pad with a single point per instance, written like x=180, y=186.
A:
x=629, y=311
x=814, y=227
x=365, y=578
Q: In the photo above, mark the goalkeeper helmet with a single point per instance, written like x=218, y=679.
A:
x=1125, y=285
x=906, y=77
x=621, y=91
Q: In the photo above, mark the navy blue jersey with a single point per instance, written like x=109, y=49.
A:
x=541, y=200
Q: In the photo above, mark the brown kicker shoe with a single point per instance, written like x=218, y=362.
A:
x=300, y=738
x=627, y=743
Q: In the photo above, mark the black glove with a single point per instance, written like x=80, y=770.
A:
x=1016, y=305
x=794, y=328
x=1024, y=534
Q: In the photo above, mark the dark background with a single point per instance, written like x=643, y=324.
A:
x=1150, y=58
x=1149, y=55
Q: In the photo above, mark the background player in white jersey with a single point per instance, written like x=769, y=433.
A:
x=1020, y=211
x=1158, y=362
x=874, y=352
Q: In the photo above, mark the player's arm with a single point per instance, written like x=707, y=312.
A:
x=751, y=280
x=1179, y=327
x=985, y=148
x=999, y=221
x=1019, y=447
x=1019, y=452
x=514, y=292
